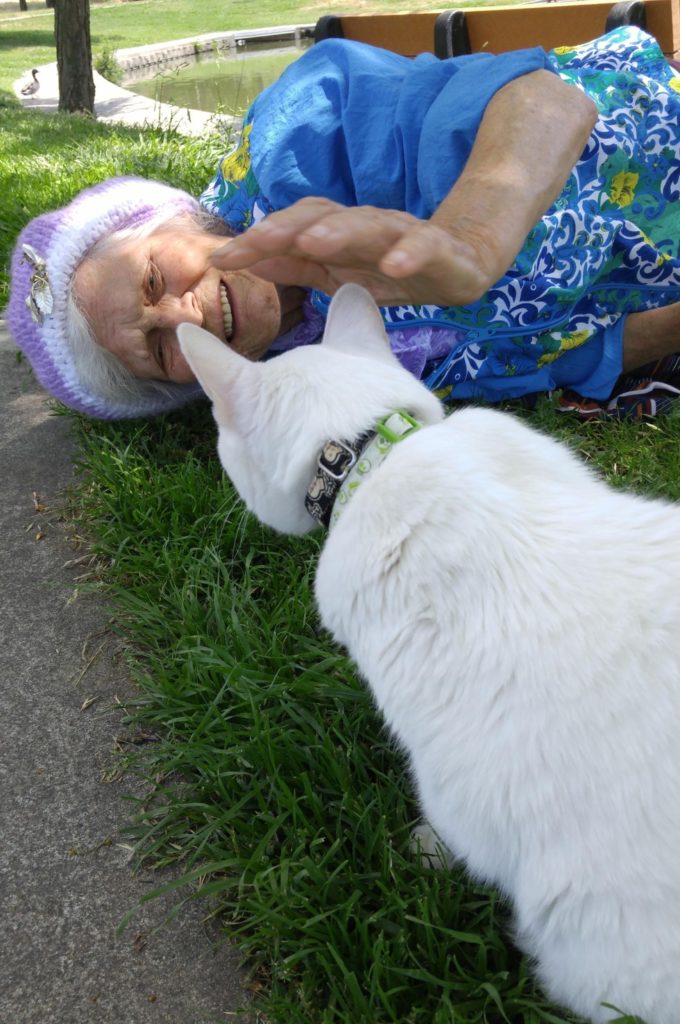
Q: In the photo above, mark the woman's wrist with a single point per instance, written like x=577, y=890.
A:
x=517, y=168
x=481, y=219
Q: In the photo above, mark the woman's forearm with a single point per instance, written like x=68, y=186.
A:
x=532, y=133
x=650, y=335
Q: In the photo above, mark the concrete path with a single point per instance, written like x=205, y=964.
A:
x=115, y=104
x=65, y=874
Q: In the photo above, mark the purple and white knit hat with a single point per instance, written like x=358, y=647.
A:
x=48, y=251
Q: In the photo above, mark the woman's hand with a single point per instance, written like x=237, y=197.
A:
x=396, y=257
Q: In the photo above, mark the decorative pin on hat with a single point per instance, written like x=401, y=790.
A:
x=40, y=301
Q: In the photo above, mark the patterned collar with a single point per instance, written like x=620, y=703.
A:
x=343, y=465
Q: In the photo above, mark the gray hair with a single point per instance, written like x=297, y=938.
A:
x=103, y=371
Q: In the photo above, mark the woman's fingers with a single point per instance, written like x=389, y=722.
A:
x=275, y=235
x=416, y=249
x=317, y=243
x=317, y=228
x=294, y=270
x=291, y=270
x=361, y=235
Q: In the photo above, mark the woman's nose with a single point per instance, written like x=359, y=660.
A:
x=183, y=309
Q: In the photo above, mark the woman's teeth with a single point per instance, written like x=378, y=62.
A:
x=226, y=313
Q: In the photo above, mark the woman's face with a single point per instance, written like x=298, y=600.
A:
x=136, y=293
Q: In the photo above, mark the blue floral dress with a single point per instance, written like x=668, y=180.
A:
x=361, y=125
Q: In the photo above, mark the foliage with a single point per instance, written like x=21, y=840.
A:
x=108, y=67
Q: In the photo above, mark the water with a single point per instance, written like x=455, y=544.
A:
x=225, y=82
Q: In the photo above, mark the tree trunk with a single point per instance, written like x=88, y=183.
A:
x=23, y=5
x=74, y=55
x=50, y=3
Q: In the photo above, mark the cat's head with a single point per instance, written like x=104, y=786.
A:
x=274, y=416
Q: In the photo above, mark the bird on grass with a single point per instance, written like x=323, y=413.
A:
x=32, y=87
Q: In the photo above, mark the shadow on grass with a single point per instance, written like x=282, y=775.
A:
x=13, y=40
x=108, y=39
x=42, y=133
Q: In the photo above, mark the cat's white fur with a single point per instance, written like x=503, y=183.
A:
x=518, y=622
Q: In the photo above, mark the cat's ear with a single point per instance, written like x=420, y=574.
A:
x=354, y=325
x=218, y=369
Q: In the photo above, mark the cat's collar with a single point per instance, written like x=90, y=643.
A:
x=343, y=465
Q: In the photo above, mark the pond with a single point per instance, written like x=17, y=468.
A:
x=225, y=82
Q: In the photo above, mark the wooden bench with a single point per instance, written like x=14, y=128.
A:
x=497, y=29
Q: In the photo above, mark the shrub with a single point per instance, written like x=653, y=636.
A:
x=108, y=67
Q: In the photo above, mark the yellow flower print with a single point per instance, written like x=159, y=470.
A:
x=661, y=257
x=236, y=164
x=570, y=340
x=623, y=188
x=675, y=84
x=564, y=49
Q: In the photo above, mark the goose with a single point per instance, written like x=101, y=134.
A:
x=32, y=87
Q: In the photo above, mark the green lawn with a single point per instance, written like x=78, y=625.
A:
x=272, y=784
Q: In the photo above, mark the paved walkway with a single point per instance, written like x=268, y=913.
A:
x=113, y=103
x=65, y=874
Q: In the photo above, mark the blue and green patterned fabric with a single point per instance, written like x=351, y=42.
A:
x=360, y=125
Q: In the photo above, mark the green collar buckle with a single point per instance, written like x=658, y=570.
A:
x=396, y=426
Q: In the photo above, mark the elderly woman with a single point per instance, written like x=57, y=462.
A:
x=514, y=216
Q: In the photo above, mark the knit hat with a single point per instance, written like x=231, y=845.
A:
x=48, y=251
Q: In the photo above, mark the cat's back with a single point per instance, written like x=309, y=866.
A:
x=483, y=489
x=481, y=519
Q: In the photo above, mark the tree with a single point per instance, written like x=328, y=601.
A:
x=74, y=55
x=23, y=5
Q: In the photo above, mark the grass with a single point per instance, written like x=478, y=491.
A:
x=272, y=786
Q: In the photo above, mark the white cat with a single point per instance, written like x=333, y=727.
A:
x=518, y=622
